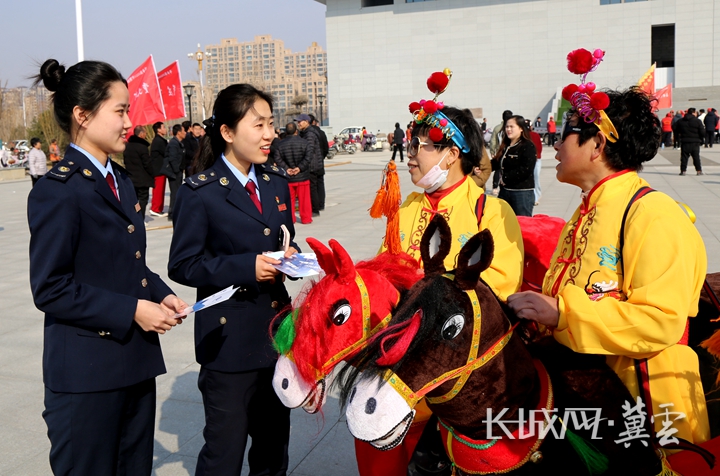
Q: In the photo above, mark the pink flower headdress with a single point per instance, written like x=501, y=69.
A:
x=589, y=104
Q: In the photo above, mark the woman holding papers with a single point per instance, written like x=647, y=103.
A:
x=227, y=216
x=103, y=307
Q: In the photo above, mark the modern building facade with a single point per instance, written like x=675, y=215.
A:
x=267, y=64
x=511, y=54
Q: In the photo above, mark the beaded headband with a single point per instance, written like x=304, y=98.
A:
x=430, y=113
x=589, y=104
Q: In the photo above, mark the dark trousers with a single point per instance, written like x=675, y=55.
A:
x=553, y=138
x=143, y=195
x=521, y=201
x=173, y=185
x=709, y=137
x=666, y=138
x=34, y=179
x=397, y=148
x=317, y=192
x=238, y=405
x=686, y=150
x=96, y=433
x=496, y=178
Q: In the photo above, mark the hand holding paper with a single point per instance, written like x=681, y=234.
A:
x=209, y=301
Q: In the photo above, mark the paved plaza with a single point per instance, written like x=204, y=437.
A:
x=320, y=445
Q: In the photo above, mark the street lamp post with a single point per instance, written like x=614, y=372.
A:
x=199, y=56
x=189, y=88
x=321, y=98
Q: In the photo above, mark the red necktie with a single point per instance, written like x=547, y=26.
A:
x=250, y=187
x=111, y=182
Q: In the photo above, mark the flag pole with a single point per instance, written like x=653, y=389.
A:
x=78, y=21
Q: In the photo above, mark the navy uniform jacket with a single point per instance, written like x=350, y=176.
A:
x=87, y=272
x=218, y=234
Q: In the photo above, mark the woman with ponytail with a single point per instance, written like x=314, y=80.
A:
x=226, y=217
x=103, y=307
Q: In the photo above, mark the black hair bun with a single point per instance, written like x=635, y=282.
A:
x=51, y=73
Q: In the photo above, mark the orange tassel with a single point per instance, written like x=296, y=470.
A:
x=387, y=203
x=713, y=346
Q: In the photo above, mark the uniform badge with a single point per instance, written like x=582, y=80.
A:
x=202, y=177
x=87, y=173
x=224, y=181
x=137, y=207
x=277, y=199
x=64, y=169
x=282, y=207
x=275, y=169
x=212, y=174
x=71, y=162
x=266, y=178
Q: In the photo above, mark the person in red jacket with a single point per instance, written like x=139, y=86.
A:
x=551, y=130
x=667, y=129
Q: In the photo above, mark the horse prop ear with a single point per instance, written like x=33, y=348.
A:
x=343, y=263
x=324, y=256
x=474, y=258
x=435, y=245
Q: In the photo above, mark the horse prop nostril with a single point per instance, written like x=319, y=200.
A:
x=370, y=406
x=285, y=384
x=352, y=394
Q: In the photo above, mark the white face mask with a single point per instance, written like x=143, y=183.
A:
x=434, y=178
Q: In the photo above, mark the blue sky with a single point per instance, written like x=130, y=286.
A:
x=124, y=33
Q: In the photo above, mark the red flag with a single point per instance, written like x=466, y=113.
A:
x=172, y=91
x=663, y=97
x=146, y=105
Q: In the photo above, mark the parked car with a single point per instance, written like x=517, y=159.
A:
x=22, y=145
x=350, y=131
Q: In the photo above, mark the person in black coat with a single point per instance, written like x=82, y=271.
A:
x=191, y=142
x=516, y=159
x=139, y=166
x=294, y=155
x=226, y=217
x=398, y=137
x=172, y=167
x=157, y=155
x=317, y=165
x=103, y=307
x=711, y=120
x=691, y=133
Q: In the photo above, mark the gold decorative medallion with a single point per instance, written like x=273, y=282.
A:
x=202, y=177
x=87, y=173
x=266, y=178
x=224, y=181
x=64, y=169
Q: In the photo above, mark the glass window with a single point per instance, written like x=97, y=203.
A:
x=375, y=3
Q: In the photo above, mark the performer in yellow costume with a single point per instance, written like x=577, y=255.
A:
x=445, y=146
x=627, y=300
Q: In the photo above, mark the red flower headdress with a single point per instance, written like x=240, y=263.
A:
x=430, y=112
x=589, y=104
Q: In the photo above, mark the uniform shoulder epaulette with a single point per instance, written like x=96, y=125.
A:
x=63, y=170
x=203, y=178
x=274, y=170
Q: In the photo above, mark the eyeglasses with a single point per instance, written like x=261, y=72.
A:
x=415, y=144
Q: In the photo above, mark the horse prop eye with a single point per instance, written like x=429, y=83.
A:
x=453, y=326
x=342, y=314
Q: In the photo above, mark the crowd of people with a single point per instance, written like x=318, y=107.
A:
x=687, y=131
x=105, y=309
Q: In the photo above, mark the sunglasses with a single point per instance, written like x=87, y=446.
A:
x=569, y=129
x=415, y=143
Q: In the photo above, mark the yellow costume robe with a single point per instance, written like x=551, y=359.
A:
x=504, y=275
x=644, y=313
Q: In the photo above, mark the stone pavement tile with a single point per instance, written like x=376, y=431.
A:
x=335, y=455
x=180, y=386
x=20, y=449
x=177, y=423
x=175, y=465
x=18, y=411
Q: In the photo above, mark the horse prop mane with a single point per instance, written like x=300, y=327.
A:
x=451, y=341
x=336, y=317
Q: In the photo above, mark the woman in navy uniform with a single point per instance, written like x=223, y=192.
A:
x=226, y=216
x=103, y=307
